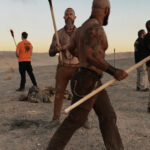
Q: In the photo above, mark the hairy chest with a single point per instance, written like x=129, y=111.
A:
x=64, y=38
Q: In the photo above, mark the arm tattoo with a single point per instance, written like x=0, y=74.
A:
x=96, y=44
x=52, y=51
x=94, y=36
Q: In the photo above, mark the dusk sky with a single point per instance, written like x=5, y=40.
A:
x=33, y=16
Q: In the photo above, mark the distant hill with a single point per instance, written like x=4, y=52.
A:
x=120, y=55
x=8, y=59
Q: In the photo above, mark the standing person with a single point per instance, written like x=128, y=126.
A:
x=66, y=67
x=142, y=79
x=146, y=44
x=91, y=43
x=24, y=52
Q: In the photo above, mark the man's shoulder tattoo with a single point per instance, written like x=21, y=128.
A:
x=94, y=35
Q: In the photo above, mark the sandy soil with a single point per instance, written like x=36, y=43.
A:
x=25, y=126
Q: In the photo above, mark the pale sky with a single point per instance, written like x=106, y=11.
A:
x=33, y=16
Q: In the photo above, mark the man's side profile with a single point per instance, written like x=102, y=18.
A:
x=89, y=44
x=142, y=78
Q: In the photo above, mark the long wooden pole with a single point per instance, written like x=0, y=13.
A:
x=55, y=28
x=67, y=110
x=114, y=57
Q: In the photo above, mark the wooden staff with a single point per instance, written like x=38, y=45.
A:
x=12, y=34
x=55, y=28
x=114, y=57
x=67, y=110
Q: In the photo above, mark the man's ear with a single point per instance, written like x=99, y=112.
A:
x=107, y=11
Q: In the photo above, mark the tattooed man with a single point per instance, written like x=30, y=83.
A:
x=91, y=43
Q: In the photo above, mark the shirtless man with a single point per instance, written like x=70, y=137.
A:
x=91, y=43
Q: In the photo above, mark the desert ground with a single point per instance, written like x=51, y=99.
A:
x=25, y=125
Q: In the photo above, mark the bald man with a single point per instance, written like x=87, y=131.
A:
x=66, y=67
x=91, y=43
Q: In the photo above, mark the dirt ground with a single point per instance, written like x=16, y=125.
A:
x=25, y=126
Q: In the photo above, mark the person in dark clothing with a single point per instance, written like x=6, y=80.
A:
x=138, y=46
x=146, y=44
x=142, y=79
x=23, y=53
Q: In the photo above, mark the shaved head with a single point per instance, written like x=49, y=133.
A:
x=100, y=4
x=69, y=9
x=101, y=10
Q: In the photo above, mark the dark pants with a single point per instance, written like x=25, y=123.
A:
x=76, y=118
x=63, y=75
x=23, y=67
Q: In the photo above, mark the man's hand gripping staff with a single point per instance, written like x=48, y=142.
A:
x=111, y=70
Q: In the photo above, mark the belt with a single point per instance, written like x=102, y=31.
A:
x=89, y=70
x=69, y=65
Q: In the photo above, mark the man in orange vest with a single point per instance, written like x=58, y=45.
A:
x=24, y=53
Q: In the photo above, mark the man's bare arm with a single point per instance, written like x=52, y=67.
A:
x=95, y=41
x=53, y=47
x=17, y=53
x=95, y=45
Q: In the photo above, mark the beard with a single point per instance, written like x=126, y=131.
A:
x=105, y=22
x=69, y=22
